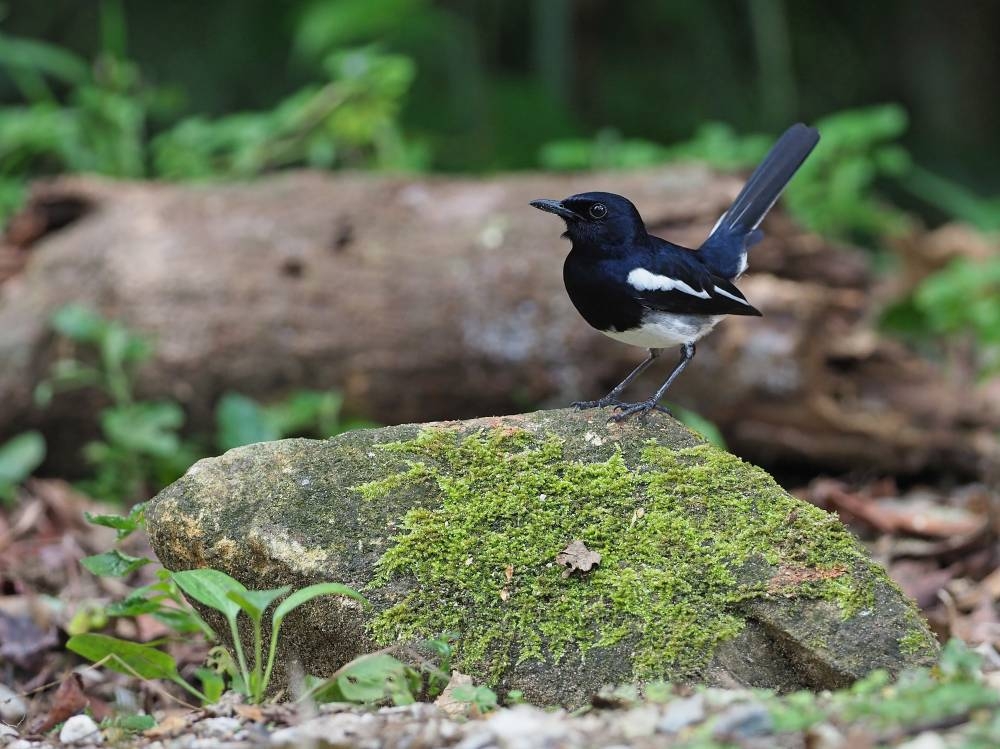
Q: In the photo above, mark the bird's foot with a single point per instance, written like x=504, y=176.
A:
x=625, y=410
x=601, y=403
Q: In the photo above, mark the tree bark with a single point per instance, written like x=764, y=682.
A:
x=425, y=299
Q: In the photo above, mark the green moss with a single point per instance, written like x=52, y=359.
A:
x=685, y=537
x=914, y=641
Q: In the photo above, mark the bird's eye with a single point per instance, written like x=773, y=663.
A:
x=598, y=210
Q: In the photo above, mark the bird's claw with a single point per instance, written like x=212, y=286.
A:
x=625, y=410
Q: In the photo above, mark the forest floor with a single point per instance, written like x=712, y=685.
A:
x=940, y=544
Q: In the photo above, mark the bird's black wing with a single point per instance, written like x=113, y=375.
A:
x=677, y=282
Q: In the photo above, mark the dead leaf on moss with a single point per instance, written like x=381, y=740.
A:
x=576, y=556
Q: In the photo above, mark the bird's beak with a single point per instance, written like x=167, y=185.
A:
x=554, y=206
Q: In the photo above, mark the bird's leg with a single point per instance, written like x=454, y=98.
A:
x=687, y=354
x=611, y=399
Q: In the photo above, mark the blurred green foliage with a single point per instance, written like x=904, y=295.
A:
x=959, y=304
x=349, y=121
x=143, y=447
x=834, y=193
x=19, y=456
x=100, y=123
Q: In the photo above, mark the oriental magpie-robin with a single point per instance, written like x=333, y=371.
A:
x=648, y=292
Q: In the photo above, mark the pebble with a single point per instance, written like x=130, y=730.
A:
x=825, y=736
x=925, y=740
x=642, y=722
x=220, y=728
x=681, y=713
x=7, y=734
x=526, y=727
x=13, y=708
x=743, y=722
x=80, y=729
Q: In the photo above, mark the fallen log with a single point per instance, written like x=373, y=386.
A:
x=440, y=298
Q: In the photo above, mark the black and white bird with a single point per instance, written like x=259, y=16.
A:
x=648, y=292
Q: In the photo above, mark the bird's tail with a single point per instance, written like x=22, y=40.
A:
x=725, y=249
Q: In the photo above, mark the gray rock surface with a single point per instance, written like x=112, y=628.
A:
x=709, y=572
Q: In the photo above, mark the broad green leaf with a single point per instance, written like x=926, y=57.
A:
x=113, y=564
x=306, y=411
x=310, y=592
x=43, y=57
x=124, y=524
x=212, y=684
x=370, y=678
x=148, y=428
x=255, y=602
x=295, y=600
x=134, y=723
x=698, y=423
x=20, y=456
x=79, y=323
x=134, y=605
x=211, y=588
x=132, y=658
x=241, y=421
x=183, y=621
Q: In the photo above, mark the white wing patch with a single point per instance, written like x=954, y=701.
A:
x=642, y=280
x=731, y=296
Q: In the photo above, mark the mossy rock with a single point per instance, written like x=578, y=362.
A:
x=709, y=571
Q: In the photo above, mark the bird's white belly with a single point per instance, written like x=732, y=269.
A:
x=660, y=330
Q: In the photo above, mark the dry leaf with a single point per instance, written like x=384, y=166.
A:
x=250, y=712
x=576, y=556
x=173, y=724
x=446, y=701
x=68, y=700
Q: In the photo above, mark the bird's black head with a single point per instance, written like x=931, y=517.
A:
x=597, y=219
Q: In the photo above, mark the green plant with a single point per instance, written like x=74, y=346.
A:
x=100, y=123
x=99, y=128
x=481, y=699
x=141, y=447
x=833, y=194
x=960, y=301
x=348, y=121
x=162, y=600
x=219, y=591
x=19, y=456
x=241, y=420
x=250, y=674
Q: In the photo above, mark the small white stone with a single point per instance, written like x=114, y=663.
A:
x=925, y=740
x=825, y=736
x=642, y=721
x=80, y=729
x=682, y=713
x=13, y=708
x=7, y=733
x=222, y=728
